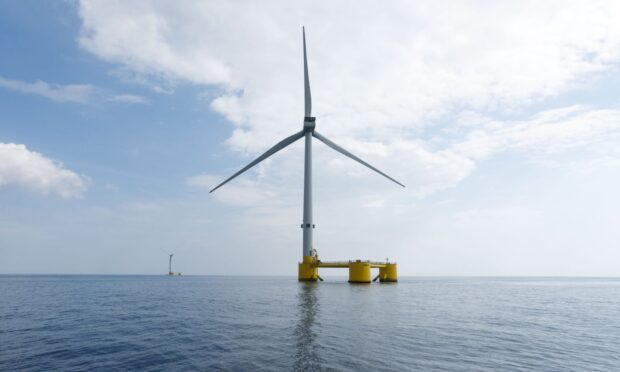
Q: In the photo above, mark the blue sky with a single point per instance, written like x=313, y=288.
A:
x=40, y=44
x=116, y=118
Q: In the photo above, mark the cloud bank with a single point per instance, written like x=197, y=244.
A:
x=25, y=169
x=392, y=82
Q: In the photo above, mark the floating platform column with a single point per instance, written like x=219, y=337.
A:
x=308, y=270
x=388, y=273
x=359, y=271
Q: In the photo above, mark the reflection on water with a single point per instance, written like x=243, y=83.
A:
x=307, y=353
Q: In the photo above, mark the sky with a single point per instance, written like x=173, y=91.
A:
x=501, y=118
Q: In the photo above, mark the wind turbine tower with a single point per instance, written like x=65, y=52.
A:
x=359, y=271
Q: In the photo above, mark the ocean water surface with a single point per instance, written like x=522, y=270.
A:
x=159, y=323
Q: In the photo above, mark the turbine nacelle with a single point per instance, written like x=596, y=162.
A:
x=309, y=124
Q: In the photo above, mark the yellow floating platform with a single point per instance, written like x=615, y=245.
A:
x=359, y=271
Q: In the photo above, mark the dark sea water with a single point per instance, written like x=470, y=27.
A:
x=185, y=323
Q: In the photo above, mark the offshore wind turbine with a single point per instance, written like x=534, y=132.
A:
x=310, y=271
x=170, y=272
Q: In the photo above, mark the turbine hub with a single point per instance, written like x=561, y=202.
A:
x=309, y=123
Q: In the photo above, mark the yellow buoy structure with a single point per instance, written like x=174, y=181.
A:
x=359, y=271
x=388, y=273
x=308, y=270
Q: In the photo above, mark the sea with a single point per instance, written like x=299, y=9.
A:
x=211, y=323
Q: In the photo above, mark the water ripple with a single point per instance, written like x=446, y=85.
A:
x=116, y=323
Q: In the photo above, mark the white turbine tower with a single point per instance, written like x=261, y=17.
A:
x=307, y=133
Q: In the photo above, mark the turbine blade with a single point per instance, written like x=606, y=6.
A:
x=345, y=152
x=279, y=146
x=307, y=96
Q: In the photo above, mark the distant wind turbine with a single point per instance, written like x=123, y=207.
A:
x=307, y=132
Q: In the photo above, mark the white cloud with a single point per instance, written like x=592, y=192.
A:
x=370, y=77
x=426, y=167
x=76, y=93
x=129, y=98
x=550, y=132
x=22, y=168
